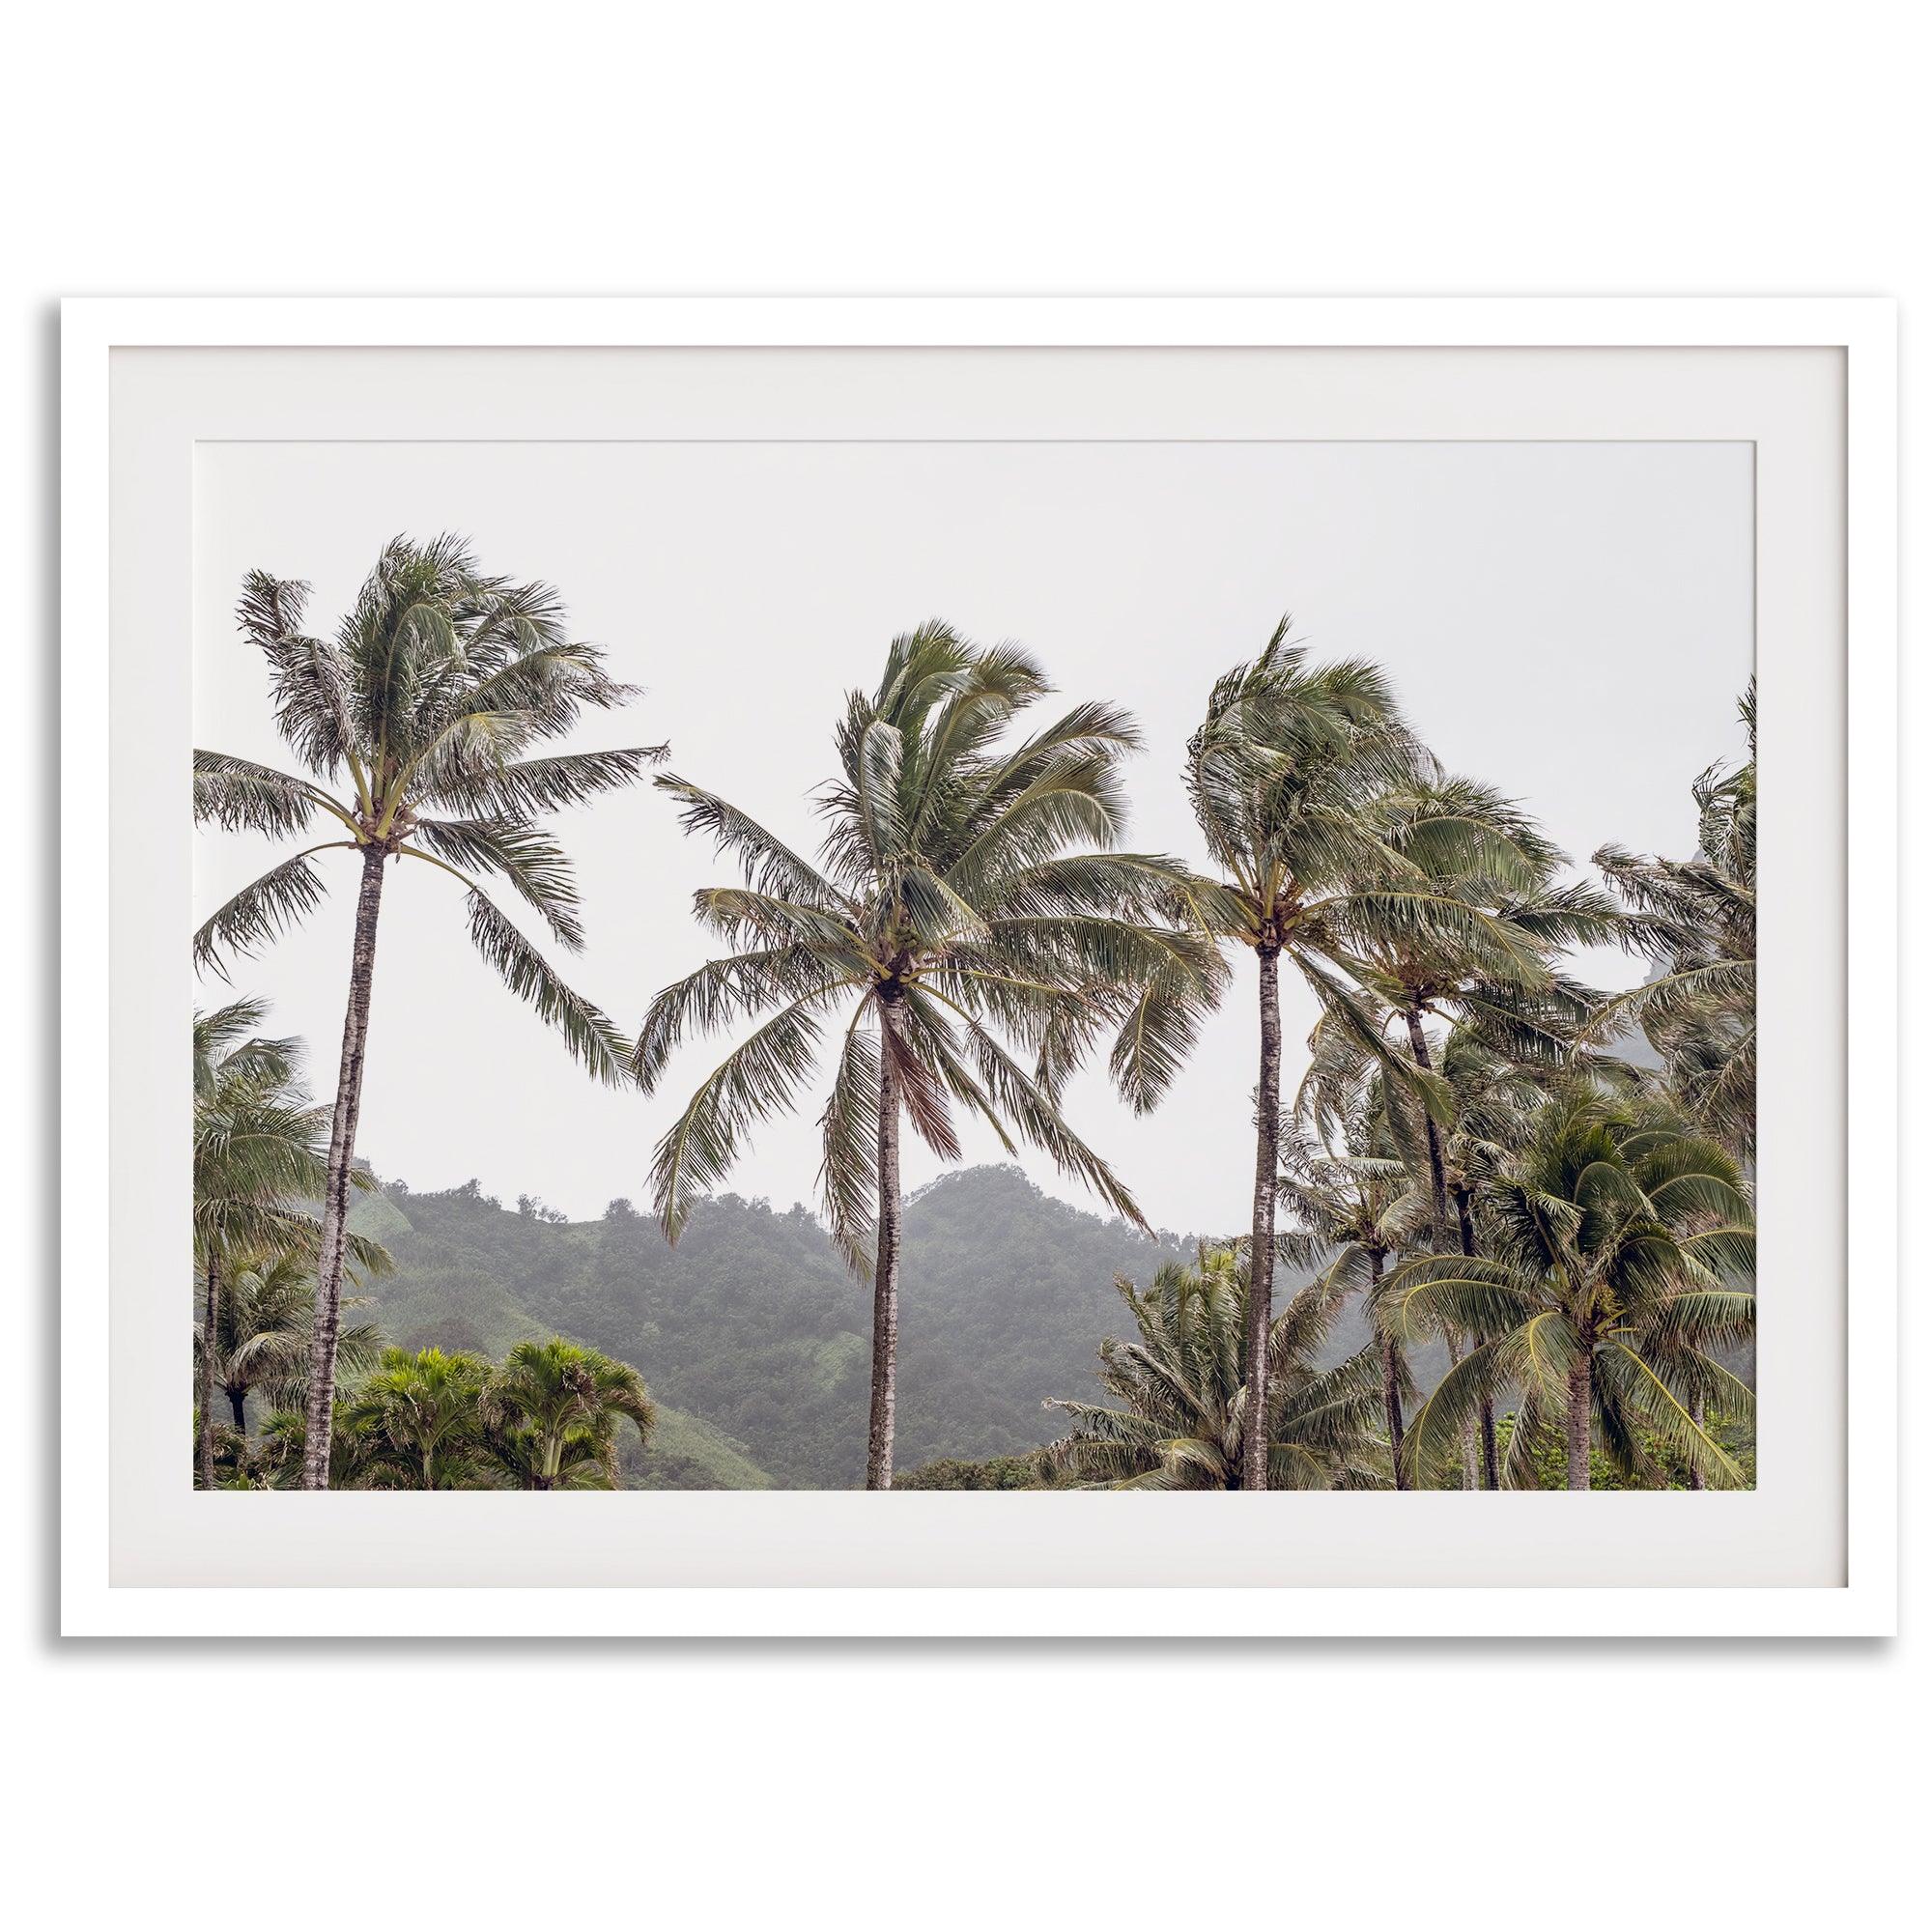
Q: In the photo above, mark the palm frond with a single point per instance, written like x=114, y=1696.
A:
x=261, y=911
x=593, y=1040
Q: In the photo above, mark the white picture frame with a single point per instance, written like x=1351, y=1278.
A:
x=115, y=491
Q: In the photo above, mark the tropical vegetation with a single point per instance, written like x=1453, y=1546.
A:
x=1516, y=1212
x=972, y=923
x=411, y=727
x=1188, y=1403
x=546, y=1417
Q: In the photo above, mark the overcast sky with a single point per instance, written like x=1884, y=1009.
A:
x=1569, y=621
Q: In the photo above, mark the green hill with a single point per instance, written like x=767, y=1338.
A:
x=753, y=1333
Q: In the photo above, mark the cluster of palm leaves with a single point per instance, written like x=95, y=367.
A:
x=259, y=1161
x=1699, y=919
x=1464, y=1154
x=967, y=932
x=1185, y=1393
x=549, y=1416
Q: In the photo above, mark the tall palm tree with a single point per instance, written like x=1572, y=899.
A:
x=258, y=1156
x=436, y=683
x=1283, y=775
x=952, y=927
x=1617, y=1241
x=1494, y=974
x=552, y=1411
x=1697, y=917
x=1186, y=1394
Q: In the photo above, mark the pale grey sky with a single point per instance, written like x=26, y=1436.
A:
x=1570, y=621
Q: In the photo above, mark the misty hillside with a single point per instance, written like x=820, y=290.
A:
x=753, y=1331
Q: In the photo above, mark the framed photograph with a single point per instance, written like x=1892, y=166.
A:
x=854, y=965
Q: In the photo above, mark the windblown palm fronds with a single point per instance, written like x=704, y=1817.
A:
x=1185, y=1394
x=262, y=1333
x=1618, y=1249
x=1282, y=774
x=967, y=934
x=1359, y=1201
x=1697, y=920
x=259, y=1160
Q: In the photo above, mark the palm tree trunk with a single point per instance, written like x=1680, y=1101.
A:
x=341, y=1162
x=1577, y=1424
x=237, y=1407
x=1391, y=1381
x=1261, y=1245
x=1485, y=1415
x=886, y=1270
x=1697, y=1416
x=204, y=1397
x=1469, y=1477
x=1438, y=1190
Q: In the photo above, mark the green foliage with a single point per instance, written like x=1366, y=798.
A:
x=1617, y=1248
x=996, y=1473
x=756, y=1330
x=546, y=1417
x=260, y=1144
x=964, y=938
x=1184, y=1399
x=550, y=1412
x=412, y=725
x=1698, y=918
x=1544, y=1466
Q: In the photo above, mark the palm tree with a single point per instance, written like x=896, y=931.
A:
x=262, y=1337
x=1493, y=973
x=1362, y=1205
x=1282, y=775
x=1186, y=1394
x=417, y=1423
x=552, y=1411
x=1488, y=962
x=1615, y=1239
x=438, y=681
x=1492, y=1099
x=952, y=927
x=258, y=1156
x=1697, y=919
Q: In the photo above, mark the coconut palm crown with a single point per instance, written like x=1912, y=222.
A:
x=968, y=928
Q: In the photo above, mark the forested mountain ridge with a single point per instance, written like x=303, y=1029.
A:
x=756, y=1330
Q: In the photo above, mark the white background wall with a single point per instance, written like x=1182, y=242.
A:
x=995, y=147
